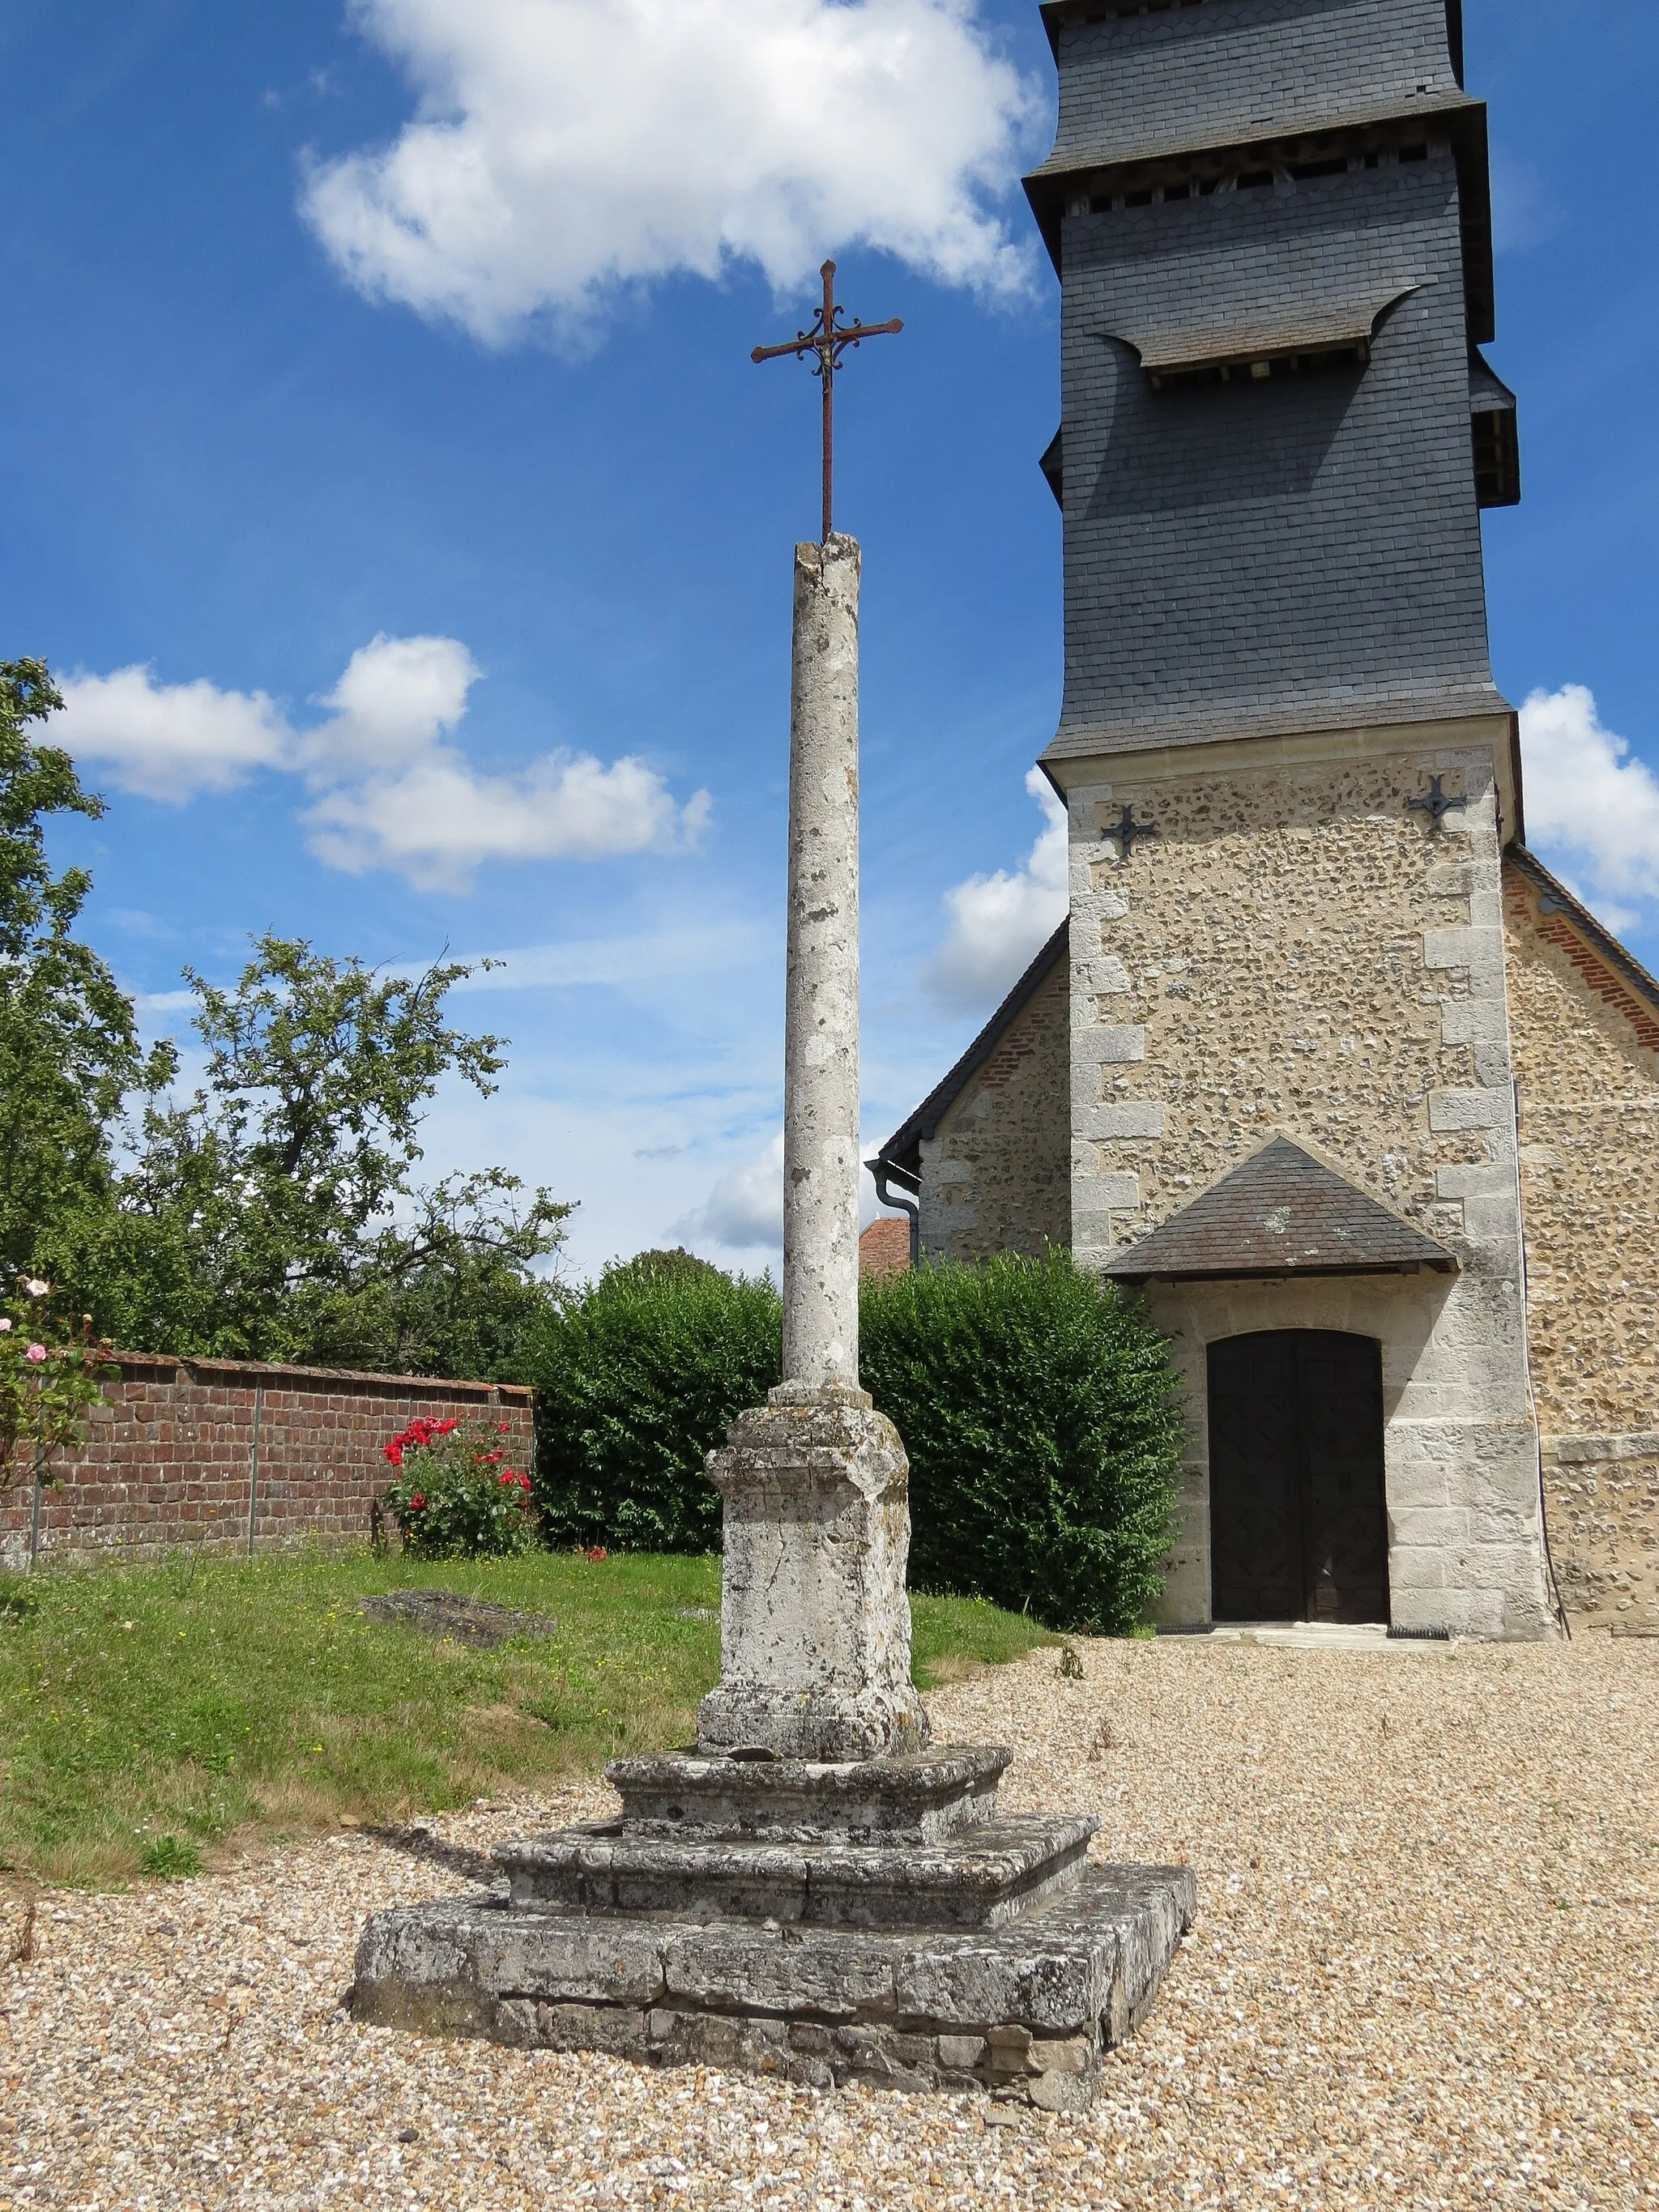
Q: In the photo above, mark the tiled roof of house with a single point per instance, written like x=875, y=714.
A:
x=885, y=1247
x=1283, y=1212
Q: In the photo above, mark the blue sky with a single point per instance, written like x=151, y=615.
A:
x=429, y=586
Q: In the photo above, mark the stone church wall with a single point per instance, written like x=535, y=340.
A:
x=1297, y=950
x=1587, y=1064
x=996, y=1176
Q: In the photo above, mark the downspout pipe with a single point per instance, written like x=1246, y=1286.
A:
x=883, y=1173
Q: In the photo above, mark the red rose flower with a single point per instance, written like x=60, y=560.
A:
x=417, y=1502
x=394, y=1452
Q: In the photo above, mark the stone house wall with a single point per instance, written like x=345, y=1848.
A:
x=228, y=1457
x=1297, y=950
x=1586, y=1046
x=996, y=1175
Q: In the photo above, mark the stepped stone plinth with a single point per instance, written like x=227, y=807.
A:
x=876, y=1921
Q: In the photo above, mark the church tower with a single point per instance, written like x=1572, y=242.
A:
x=1291, y=780
x=1324, y=1062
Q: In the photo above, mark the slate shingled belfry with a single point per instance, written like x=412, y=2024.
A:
x=1323, y=939
x=1273, y=229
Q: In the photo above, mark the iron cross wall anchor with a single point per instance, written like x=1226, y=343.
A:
x=1126, y=830
x=1437, y=805
x=828, y=340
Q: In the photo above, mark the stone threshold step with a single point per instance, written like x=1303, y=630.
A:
x=1023, y=2011
x=978, y=1878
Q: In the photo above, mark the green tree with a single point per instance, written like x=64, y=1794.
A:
x=69, y=1041
x=274, y=1215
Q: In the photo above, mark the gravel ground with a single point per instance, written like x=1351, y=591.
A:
x=1423, y=1975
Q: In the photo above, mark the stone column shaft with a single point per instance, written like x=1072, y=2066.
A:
x=815, y=1627
x=821, y=1034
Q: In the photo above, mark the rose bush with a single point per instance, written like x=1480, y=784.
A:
x=455, y=1496
x=50, y=1374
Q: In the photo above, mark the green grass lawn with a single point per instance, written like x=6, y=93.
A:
x=157, y=1719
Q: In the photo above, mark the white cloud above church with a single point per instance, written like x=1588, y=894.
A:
x=996, y=923
x=1591, y=803
x=390, y=787
x=563, y=150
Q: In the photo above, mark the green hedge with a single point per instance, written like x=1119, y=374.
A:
x=634, y=1385
x=1036, y=1407
x=1035, y=1402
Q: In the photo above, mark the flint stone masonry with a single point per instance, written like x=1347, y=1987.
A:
x=1286, y=909
x=199, y=1453
x=1587, y=1064
x=997, y=1171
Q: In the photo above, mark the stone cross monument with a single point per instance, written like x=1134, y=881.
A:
x=816, y=1628
x=809, y=1891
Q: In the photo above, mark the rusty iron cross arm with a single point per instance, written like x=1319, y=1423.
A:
x=828, y=340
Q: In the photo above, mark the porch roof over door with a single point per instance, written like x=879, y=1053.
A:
x=1281, y=1213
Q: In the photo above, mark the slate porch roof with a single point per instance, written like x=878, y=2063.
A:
x=1283, y=1212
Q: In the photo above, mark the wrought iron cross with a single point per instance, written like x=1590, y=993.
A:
x=1437, y=805
x=1128, y=829
x=828, y=340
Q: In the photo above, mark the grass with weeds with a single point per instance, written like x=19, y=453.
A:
x=155, y=1719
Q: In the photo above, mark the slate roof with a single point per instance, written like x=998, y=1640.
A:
x=1283, y=1212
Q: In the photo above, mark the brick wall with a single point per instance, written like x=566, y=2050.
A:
x=204, y=1451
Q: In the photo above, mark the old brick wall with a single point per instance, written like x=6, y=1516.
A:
x=1587, y=1064
x=209, y=1452
x=996, y=1176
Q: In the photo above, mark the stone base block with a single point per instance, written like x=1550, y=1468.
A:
x=978, y=1878
x=920, y=1798
x=1021, y=2011
x=815, y=1626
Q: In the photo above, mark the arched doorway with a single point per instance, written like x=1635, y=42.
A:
x=1298, y=1515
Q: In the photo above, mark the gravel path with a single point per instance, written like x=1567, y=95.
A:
x=1423, y=1975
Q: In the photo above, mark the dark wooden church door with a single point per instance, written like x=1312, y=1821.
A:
x=1299, y=1520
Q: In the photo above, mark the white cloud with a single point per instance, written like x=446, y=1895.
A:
x=562, y=149
x=170, y=741
x=1590, y=801
x=391, y=790
x=745, y=1210
x=998, y=922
